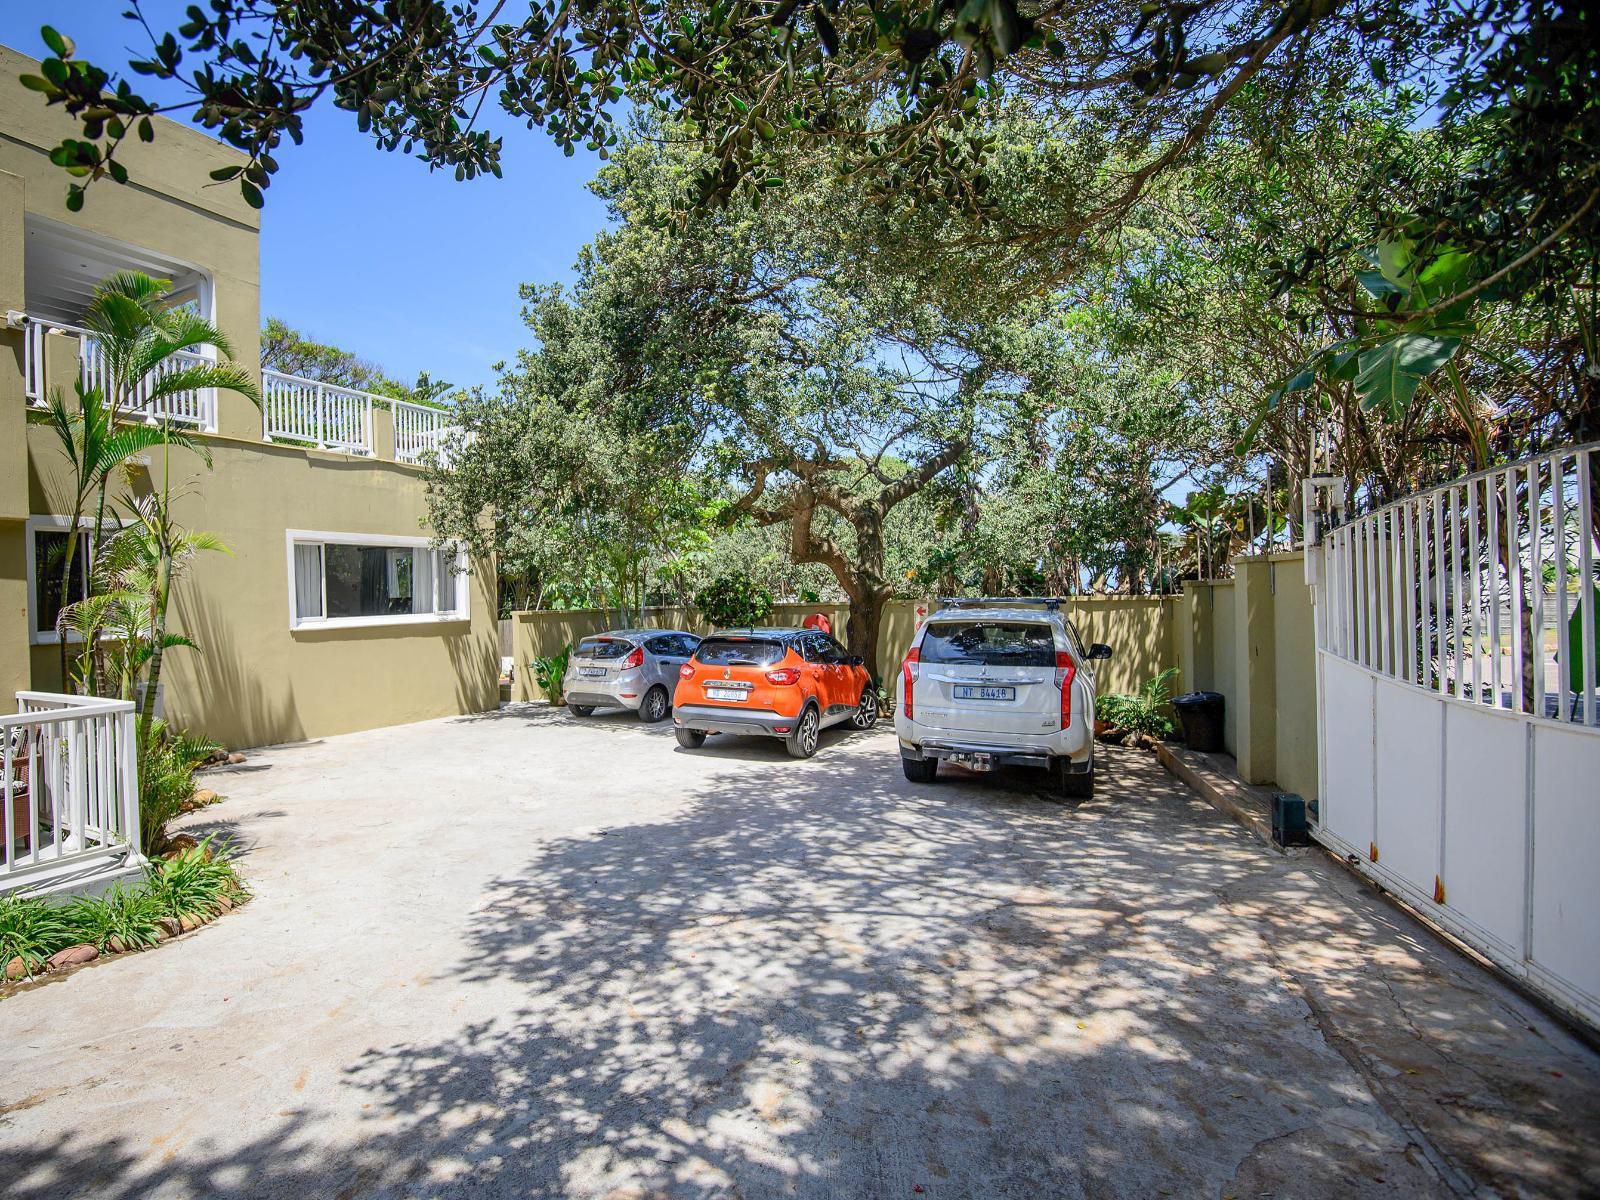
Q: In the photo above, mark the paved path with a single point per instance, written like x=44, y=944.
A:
x=521, y=956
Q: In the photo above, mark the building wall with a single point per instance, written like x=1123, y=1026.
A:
x=1252, y=639
x=253, y=681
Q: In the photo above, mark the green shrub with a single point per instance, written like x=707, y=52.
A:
x=127, y=914
x=193, y=882
x=1140, y=713
x=166, y=781
x=734, y=601
x=550, y=673
x=32, y=930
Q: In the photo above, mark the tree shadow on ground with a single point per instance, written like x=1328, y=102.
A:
x=877, y=991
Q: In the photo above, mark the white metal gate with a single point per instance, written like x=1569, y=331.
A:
x=1459, y=711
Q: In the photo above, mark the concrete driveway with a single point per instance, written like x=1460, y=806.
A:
x=519, y=955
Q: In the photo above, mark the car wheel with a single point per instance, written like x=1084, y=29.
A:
x=1074, y=785
x=655, y=706
x=920, y=770
x=581, y=710
x=866, y=714
x=690, y=739
x=802, y=743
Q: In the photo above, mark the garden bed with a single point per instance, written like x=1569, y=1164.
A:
x=41, y=937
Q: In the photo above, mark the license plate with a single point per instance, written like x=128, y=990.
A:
x=974, y=762
x=591, y=672
x=716, y=693
x=965, y=692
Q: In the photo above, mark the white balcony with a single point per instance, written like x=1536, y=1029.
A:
x=69, y=789
x=418, y=430
x=55, y=354
x=307, y=412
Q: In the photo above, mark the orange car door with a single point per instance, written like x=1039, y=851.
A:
x=813, y=650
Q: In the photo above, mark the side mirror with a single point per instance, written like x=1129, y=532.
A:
x=1099, y=650
x=856, y=660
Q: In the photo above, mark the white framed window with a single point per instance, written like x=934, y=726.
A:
x=46, y=538
x=342, y=579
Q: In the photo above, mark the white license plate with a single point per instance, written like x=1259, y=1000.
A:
x=964, y=692
x=591, y=672
x=716, y=693
x=974, y=762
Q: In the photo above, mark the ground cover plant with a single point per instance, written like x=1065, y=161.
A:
x=191, y=886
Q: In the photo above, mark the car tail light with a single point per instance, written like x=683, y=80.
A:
x=1066, y=670
x=635, y=659
x=908, y=672
x=784, y=676
x=686, y=671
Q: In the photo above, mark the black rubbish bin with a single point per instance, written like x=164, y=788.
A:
x=1200, y=714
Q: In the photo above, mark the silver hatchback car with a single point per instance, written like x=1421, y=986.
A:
x=627, y=668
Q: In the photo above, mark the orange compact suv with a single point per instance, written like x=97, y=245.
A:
x=788, y=683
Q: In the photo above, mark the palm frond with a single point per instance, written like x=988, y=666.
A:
x=182, y=329
x=223, y=376
x=134, y=438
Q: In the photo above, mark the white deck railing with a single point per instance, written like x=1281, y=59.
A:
x=196, y=407
x=418, y=429
x=69, y=774
x=1484, y=589
x=322, y=414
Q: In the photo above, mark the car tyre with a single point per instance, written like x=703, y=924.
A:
x=802, y=741
x=655, y=706
x=920, y=770
x=581, y=710
x=1074, y=785
x=866, y=714
x=690, y=739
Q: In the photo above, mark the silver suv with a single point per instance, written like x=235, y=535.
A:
x=627, y=668
x=999, y=681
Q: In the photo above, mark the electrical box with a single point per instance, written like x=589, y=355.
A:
x=1289, y=826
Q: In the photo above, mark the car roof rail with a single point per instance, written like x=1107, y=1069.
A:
x=1049, y=603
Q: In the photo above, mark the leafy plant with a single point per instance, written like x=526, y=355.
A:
x=734, y=600
x=550, y=673
x=32, y=930
x=194, y=882
x=123, y=919
x=167, y=763
x=1140, y=712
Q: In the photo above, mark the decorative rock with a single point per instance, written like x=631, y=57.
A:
x=170, y=927
x=16, y=969
x=115, y=944
x=203, y=797
x=72, y=956
x=186, y=923
x=235, y=758
x=225, y=904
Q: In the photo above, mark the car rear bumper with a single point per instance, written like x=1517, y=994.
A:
x=920, y=743
x=709, y=718
x=626, y=691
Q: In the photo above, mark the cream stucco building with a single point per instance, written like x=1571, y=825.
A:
x=333, y=613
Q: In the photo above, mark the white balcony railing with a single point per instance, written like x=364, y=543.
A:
x=320, y=414
x=196, y=407
x=418, y=429
x=69, y=786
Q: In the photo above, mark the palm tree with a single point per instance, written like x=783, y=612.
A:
x=137, y=333
x=94, y=447
x=157, y=551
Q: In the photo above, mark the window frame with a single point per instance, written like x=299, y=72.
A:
x=461, y=613
x=55, y=523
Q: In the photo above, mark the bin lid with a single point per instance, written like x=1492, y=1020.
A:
x=1191, y=699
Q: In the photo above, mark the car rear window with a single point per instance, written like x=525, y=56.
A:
x=602, y=648
x=989, y=643
x=736, y=652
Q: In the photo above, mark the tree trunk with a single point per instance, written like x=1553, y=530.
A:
x=862, y=626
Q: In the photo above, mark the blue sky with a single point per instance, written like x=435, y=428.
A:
x=371, y=251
